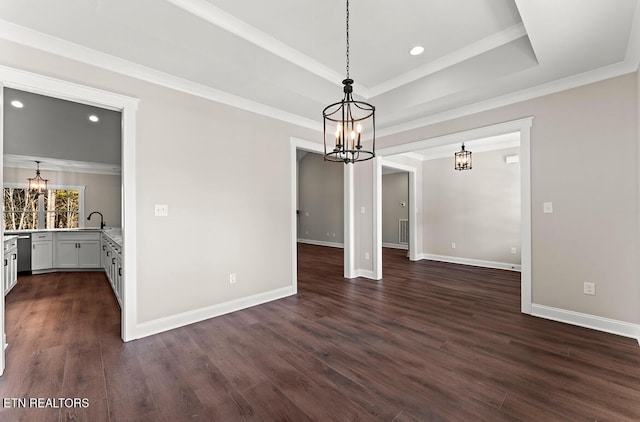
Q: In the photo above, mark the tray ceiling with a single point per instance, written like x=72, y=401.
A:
x=286, y=58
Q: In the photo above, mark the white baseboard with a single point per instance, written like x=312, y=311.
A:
x=364, y=273
x=594, y=322
x=190, y=317
x=321, y=243
x=395, y=246
x=470, y=261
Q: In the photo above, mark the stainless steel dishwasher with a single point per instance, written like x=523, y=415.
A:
x=24, y=253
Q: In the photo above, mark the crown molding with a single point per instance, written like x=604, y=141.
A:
x=472, y=50
x=575, y=81
x=494, y=143
x=34, y=39
x=54, y=164
x=414, y=156
x=53, y=45
x=633, y=47
x=218, y=17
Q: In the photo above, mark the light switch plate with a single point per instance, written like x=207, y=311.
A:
x=547, y=207
x=161, y=210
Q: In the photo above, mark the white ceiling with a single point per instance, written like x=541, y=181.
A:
x=286, y=58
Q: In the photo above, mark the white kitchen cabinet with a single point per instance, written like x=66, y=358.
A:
x=77, y=250
x=41, y=251
x=89, y=254
x=66, y=254
x=10, y=264
x=111, y=252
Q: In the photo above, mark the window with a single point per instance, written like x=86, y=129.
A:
x=59, y=207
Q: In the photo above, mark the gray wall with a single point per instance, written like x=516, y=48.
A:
x=584, y=158
x=229, y=210
x=54, y=128
x=102, y=191
x=477, y=209
x=395, y=189
x=321, y=199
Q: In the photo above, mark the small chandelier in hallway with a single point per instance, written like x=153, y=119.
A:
x=463, y=159
x=346, y=121
x=38, y=184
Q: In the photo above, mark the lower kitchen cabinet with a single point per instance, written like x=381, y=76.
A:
x=112, y=263
x=10, y=264
x=41, y=251
x=77, y=250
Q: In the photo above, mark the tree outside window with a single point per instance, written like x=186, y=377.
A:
x=54, y=209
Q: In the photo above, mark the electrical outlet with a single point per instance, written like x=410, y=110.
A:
x=232, y=278
x=453, y=245
x=514, y=251
x=161, y=210
x=366, y=256
x=590, y=289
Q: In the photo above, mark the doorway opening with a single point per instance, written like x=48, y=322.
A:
x=77, y=149
x=127, y=106
x=520, y=129
x=299, y=149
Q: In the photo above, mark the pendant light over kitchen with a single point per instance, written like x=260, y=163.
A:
x=38, y=184
x=463, y=159
x=345, y=123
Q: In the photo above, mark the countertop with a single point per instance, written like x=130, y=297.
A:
x=115, y=233
x=10, y=237
x=83, y=229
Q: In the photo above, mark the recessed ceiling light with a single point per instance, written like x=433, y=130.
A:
x=17, y=104
x=417, y=50
x=93, y=118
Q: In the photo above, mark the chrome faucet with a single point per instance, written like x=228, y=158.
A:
x=102, y=224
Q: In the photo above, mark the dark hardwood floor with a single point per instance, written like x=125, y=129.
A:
x=431, y=341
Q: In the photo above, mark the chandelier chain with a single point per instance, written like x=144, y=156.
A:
x=347, y=39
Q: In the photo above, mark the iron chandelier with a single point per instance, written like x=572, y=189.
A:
x=463, y=159
x=38, y=184
x=346, y=121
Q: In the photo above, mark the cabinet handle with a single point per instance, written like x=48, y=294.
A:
x=113, y=260
x=5, y=262
x=78, y=245
x=120, y=272
x=14, y=256
x=34, y=246
x=108, y=253
x=104, y=247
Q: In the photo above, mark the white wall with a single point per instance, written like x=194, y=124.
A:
x=224, y=174
x=102, y=193
x=321, y=199
x=584, y=158
x=477, y=209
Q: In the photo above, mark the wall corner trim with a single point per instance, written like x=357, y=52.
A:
x=160, y=325
x=594, y=322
